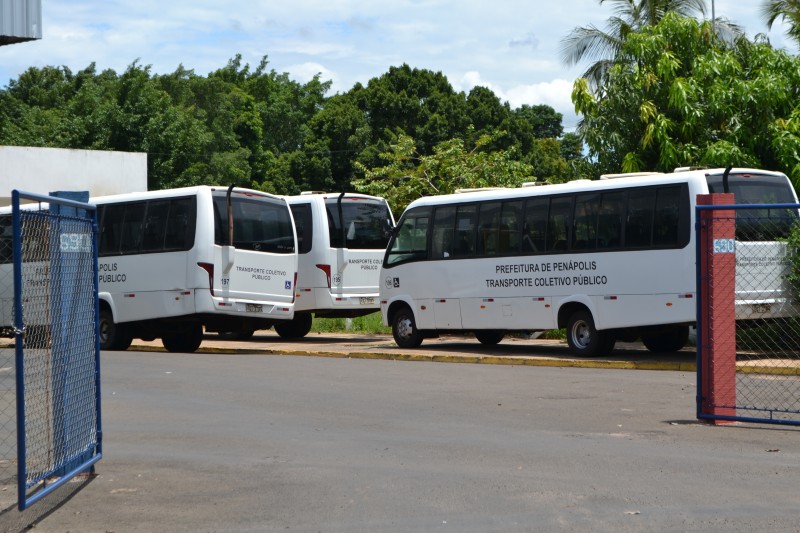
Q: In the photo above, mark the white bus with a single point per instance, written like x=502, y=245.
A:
x=341, y=240
x=173, y=263
x=612, y=259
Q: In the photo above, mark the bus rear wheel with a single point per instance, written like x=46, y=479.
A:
x=671, y=340
x=296, y=328
x=584, y=339
x=184, y=340
x=404, y=329
x=490, y=337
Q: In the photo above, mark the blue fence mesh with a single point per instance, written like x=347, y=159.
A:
x=56, y=356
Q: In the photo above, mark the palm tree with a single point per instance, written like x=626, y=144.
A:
x=589, y=43
x=788, y=11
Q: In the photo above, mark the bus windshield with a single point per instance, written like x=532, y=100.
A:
x=366, y=223
x=754, y=188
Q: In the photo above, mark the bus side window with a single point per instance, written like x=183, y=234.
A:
x=667, y=216
x=535, y=229
x=443, y=226
x=132, y=227
x=304, y=226
x=558, y=223
x=180, y=224
x=465, y=231
x=488, y=228
x=6, y=239
x=609, y=220
x=510, y=227
x=155, y=226
x=639, y=222
x=584, y=229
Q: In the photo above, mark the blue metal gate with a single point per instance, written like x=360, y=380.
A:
x=56, y=344
x=759, y=379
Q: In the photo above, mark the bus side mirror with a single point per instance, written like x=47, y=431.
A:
x=389, y=229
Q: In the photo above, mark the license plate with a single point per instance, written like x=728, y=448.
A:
x=369, y=300
x=253, y=308
x=761, y=308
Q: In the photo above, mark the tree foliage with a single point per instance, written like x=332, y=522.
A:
x=686, y=100
x=257, y=128
x=408, y=174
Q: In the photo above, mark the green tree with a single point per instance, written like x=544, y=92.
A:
x=786, y=10
x=602, y=48
x=685, y=101
x=408, y=174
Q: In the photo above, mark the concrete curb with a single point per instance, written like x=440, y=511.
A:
x=681, y=366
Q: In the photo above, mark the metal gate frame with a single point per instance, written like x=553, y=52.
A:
x=65, y=440
x=715, y=404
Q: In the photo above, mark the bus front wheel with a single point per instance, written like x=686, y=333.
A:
x=404, y=329
x=584, y=339
x=296, y=328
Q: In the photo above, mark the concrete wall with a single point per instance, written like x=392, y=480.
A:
x=43, y=170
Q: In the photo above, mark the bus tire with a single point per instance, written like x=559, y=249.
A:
x=296, y=328
x=671, y=340
x=184, y=340
x=583, y=338
x=490, y=337
x=404, y=329
x=113, y=336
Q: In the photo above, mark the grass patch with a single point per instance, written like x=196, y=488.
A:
x=364, y=324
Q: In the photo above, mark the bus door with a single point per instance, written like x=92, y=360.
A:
x=262, y=263
x=358, y=231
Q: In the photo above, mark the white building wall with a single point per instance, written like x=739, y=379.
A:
x=44, y=170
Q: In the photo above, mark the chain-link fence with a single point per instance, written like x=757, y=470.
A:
x=8, y=414
x=765, y=286
x=51, y=378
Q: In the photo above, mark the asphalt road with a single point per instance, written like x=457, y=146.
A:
x=254, y=442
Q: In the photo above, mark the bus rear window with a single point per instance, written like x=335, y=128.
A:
x=259, y=224
x=751, y=189
x=366, y=223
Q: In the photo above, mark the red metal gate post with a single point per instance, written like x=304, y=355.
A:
x=718, y=312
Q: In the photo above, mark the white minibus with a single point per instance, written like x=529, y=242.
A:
x=341, y=240
x=173, y=263
x=610, y=259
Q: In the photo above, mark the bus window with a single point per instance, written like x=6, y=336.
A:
x=558, y=223
x=488, y=228
x=667, y=216
x=610, y=220
x=155, y=226
x=411, y=241
x=584, y=229
x=304, y=225
x=639, y=223
x=754, y=188
x=258, y=224
x=365, y=223
x=132, y=225
x=443, y=226
x=180, y=225
x=465, y=231
x=510, y=227
x=6, y=234
x=535, y=229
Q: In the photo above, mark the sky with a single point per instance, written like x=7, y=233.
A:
x=511, y=46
